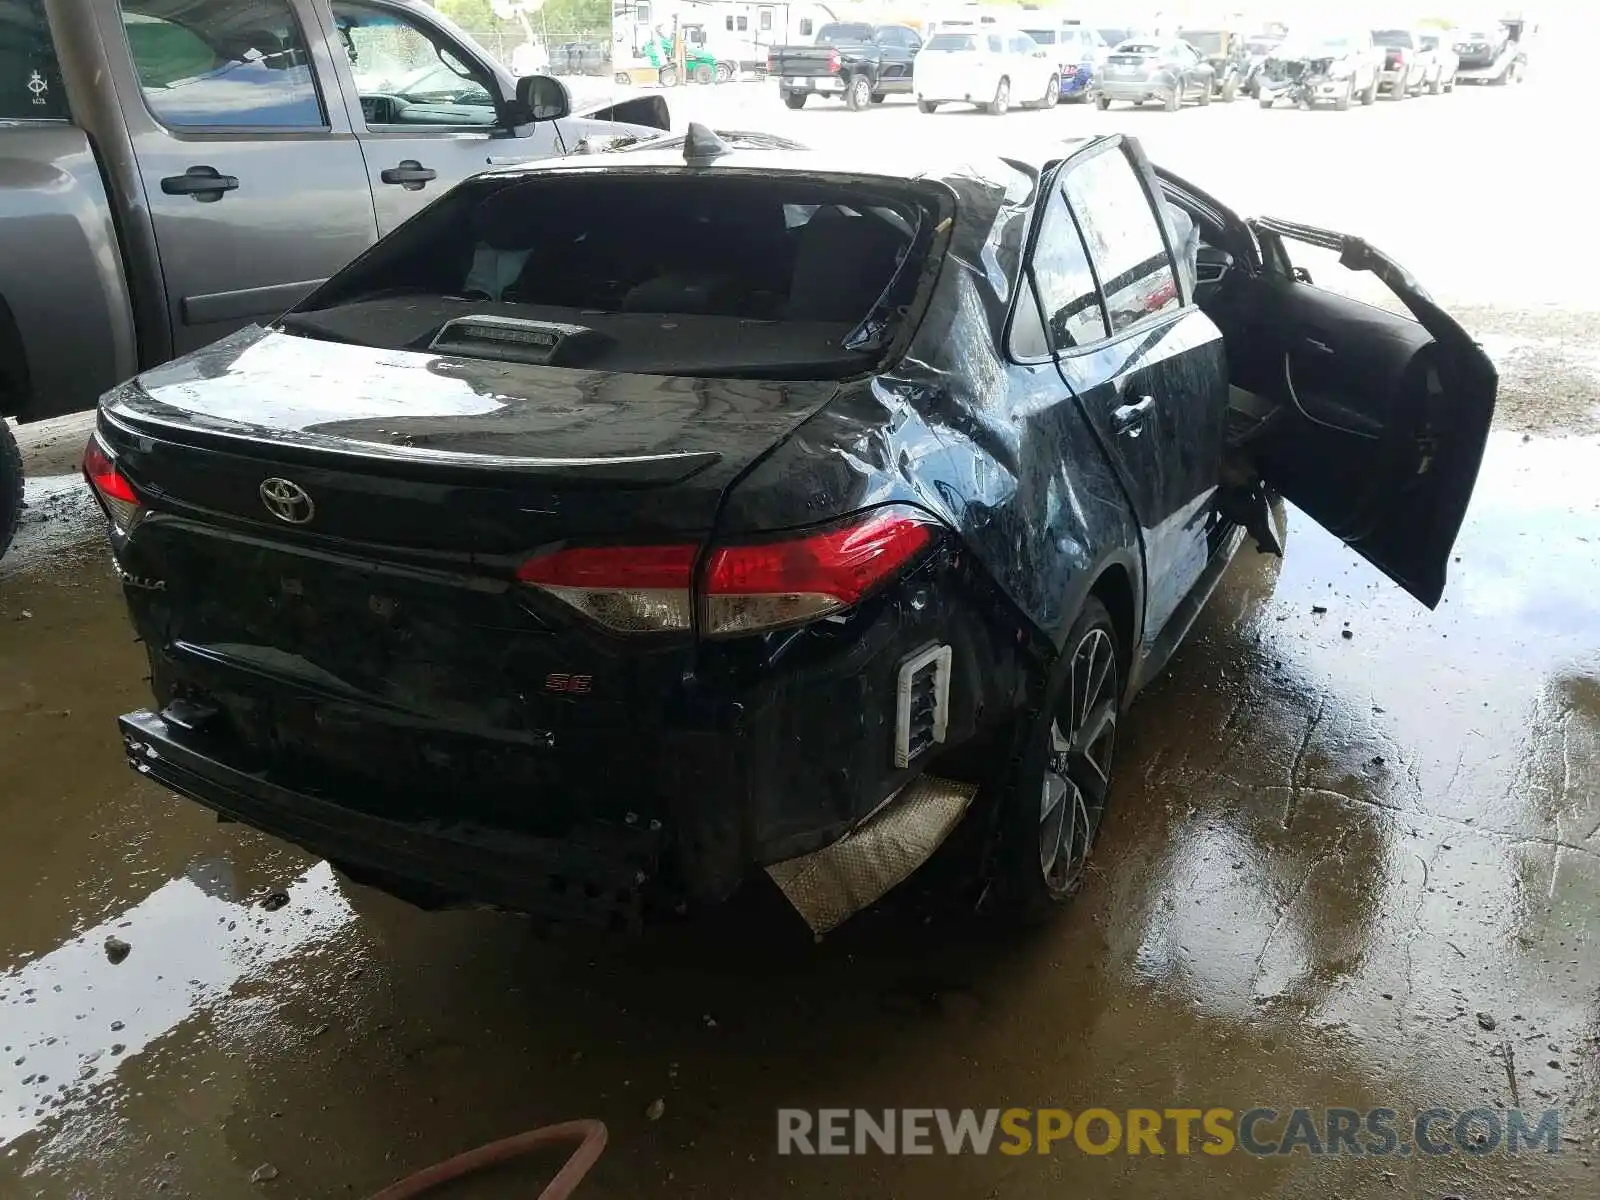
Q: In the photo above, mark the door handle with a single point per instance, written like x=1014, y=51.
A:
x=205, y=184
x=410, y=174
x=1129, y=418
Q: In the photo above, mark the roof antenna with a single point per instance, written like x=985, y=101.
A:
x=702, y=145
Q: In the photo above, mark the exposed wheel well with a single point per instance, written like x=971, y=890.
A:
x=14, y=385
x=1114, y=589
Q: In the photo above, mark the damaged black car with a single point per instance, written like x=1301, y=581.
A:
x=626, y=528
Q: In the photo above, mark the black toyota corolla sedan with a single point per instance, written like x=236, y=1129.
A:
x=627, y=527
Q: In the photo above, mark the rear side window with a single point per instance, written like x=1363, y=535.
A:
x=225, y=64
x=30, y=77
x=1044, y=37
x=1068, y=299
x=996, y=46
x=1124, y=239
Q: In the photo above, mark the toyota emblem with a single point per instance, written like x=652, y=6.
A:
x=287, y=501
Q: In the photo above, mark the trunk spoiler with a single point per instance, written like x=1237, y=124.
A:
x=643, y=470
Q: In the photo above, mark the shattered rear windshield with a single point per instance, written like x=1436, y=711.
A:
x=655, y=272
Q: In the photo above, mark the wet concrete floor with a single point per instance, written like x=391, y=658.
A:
x=1327, y=855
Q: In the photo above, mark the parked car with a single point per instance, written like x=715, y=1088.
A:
x=673, y=562
x=1321, y=67
x=1229, y=56
x=860, y=63
x=988, y=68
x=1440, y=44
x=1406, y=66
x=1259, y=47
x=1079, y=51
x=1170, y=71
x=1494, y=54
x=302, y=149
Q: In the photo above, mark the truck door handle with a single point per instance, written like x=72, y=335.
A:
x=203, y=183
x=410, y=174
x=1129, y=418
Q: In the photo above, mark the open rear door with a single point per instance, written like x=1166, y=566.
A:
x=1378, y=421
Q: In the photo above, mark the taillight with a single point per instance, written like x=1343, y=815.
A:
x=116, y=494
x=833, y=60
x=748, y=587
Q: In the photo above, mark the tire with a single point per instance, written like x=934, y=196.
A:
x=1230, y=88
x=858, y=93
x=1052, y=806
x=724, y=72
x=1174, y=100
x=1437, y=85
x=927, y=106
x=1265, y=99
x=704, y=73
x=1051, y=95
x=1205, y=96
x=1342, y=104
x=1001, y=104
x=668, y=76
x=1370, y=96
x=796, y=100
x=1103, y=103
x=1398, y=91
x=10, y=485
x=622, y=78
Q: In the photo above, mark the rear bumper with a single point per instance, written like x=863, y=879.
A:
x=594, y=878
x=763, y=753
x=826, y=84
x=1134, y=92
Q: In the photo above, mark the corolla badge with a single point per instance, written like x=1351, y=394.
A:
x=287, y=500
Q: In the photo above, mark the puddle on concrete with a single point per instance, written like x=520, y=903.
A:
x=1325, y=856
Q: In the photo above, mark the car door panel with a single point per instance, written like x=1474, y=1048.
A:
x=1157, y=399
x=254, y=182
x=425, y=111
x=1382, y=418
x=1147, y=368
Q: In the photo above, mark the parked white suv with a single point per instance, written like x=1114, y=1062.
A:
x=988, y=67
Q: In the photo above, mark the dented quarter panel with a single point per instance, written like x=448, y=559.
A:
x=999, y=450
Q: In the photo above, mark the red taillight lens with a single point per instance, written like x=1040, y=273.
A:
x=747, y=588
x=833, y=61
x=116, y=494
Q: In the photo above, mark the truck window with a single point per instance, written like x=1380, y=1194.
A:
x=226, y=64
x=405, y=77
x=30, y=77
x=1125, y=241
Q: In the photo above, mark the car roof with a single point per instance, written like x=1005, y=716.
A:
x=1033, y=154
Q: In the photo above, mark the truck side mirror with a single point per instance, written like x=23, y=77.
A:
x=542, y=98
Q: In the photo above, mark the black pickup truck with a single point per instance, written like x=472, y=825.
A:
x=858, y=62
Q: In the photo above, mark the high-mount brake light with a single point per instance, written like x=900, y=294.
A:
x=748, y=587
x=116, y=494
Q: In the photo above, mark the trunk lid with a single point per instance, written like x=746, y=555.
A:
x=382, y=647
x=417, y=451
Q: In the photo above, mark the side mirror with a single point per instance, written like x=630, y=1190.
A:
x=542, y=98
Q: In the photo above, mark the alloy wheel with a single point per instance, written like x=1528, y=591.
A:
x=1077, y=772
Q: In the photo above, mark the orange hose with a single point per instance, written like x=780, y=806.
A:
x=589, y=1134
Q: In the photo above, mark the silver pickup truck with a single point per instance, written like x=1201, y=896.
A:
x=172, y=170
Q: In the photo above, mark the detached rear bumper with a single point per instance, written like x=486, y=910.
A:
x=594, y=877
